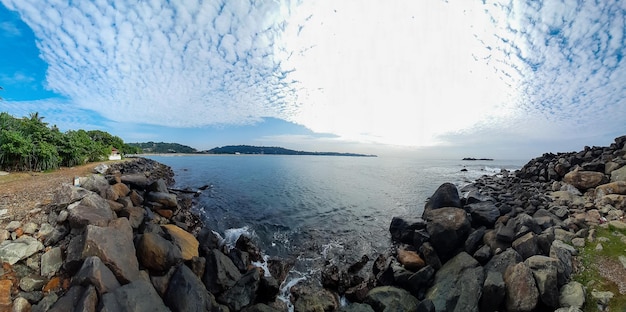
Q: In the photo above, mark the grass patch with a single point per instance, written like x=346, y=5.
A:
x=591, y=260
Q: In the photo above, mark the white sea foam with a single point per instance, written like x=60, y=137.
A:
x=263, y=265
x=232, y=235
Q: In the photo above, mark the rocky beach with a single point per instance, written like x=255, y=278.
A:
x=121, y=239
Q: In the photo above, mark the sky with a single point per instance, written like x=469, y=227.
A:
x=503, y=79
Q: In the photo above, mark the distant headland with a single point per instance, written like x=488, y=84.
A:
x=175, y=148
x=471, y=158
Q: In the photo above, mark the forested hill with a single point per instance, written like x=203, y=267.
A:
x=163, y=148
x=259, y=150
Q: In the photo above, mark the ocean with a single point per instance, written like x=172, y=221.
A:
x=317, y=209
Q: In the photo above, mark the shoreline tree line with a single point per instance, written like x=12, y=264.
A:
x=30, y=144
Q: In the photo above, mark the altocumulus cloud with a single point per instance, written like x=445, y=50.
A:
x=179, y=63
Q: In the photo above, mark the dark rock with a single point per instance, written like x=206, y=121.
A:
x=474, y=240
x=483, y=213
x=69, y=300
x=125, y=298
x=357, y=266
x=243, y=293
x=494, y=291
x=92, y=209
x=544, y=271
x=420, y=280
x=158, y=186
x=136, y=180
x=220, y=274
x=244, y=243
x=483, y=254
x=502, y=261
x=448, y=229
x=526, y=245
x=457, y=285
x=358, y=293
x=563, y=253
x=186, y=292
x=88, y=301
x=402, y=229
x=521, y=289
x=426, y=305
x=162, y=282
x=68, y=194
x=430, y=256
x=166, y=199
x=268, y=289
x=388, y=298
x=94, y=272
x=240, y=259
x=198, y=265
x=135, y=215
x=446, y=195
x=320, y=301
x=490, y=239
x=357, y=307
x=506, y=233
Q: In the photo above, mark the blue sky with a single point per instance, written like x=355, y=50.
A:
x=507, y=79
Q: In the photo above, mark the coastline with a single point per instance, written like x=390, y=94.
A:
x=530, y=229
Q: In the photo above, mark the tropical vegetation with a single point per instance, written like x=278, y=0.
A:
x=163, y=148
x=30, y=144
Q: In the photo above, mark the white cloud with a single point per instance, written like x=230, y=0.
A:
x=402, y=72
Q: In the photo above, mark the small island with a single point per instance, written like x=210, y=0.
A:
x=471, y=158
x=264, y=150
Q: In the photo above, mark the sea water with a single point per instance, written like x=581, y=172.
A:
x=316, y=209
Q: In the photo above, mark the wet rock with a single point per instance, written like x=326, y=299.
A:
x=388, y=298
x=448, y=229
x=447, y=195
x=268, y=289
x=244, y=243
x=521, y=289
x=19, y=249
x=186, y=292
x=420, y=280
x=319, y=301
x=457, y=285
x=94, y=272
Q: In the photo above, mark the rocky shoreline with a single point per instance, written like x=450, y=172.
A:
x=125, y=241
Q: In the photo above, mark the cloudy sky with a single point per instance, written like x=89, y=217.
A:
x=508, y=79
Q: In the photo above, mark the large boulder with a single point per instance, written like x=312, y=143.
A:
x=403, y=229
x=389, y=298
x=243, y=293
x=618, y=174
x=483, y=213
x=447, y=195
x=584, y=180
x=494, y=290
x=12, y=251
x=166, y=199
x=617, y=187
x=187, y=243
x=573, y=295
x=157, y=253
x=544, y=271
x=186, y=292
x=502, y=261
x=92, y=209
x=458, y=285
x=138, y=296
x=521, y=289
x=68, y=194
x=448, y=229
x=94, y=272
x=563, y=253
x=220, y=273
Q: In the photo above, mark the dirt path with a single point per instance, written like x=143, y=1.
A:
x=22, y=192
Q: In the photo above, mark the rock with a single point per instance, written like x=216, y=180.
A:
x=420, y=280
x=166, y=199
x=617, y=225
x=526, y=245
x=388, y=298
x=617, y=187
x=584, y=180
x=21, y=305
x=578, y=242
x=187, y=243
x=68, y=194
x=94, y=272
x=30, y=228
x=69, y=300
x=244, y=243
x=95, y=183
x=430, y=255
x=46, y=303
x=474, y=240
x=483, y=213
x=563, y=253
x=483, y=254
x=112, y=245
x=220, y=274
x=572, y=294
x=135, y=215
x=32, y=282
x=502, y=261
x=448, y=229
x=544, y=271
x=186, y=292
x=19, y=249
x=261, y=307
x=51, y=262
x=120, y=189
x=92, y=209
x=521, y=289
x=125, y=297
x=446, y=195
x=602, y=298
x=157, y=253
x=5, y=294
x=357, y=307
x=563, y=235
x=319, y=301
x=88, y=301
x=13, y=225
x=268, y=289
x=403, y=229
x=243, y=292
x=101, y=168
x=410, y=260
x=493, y=292
x=136, y=180
x=618, y=174
x=457, y=285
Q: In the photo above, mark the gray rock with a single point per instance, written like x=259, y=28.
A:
x=494, y=290
x=602, y=298
x=101, y=168
x=526, y=245
x=544, y=271
x=220, y=274
x=91, y=210
x=88, y=301
x=136, y=180
x=19, y=249
x=51, y=261
x=30, y=228
x=420, y=279
x=166, y=199
x=319, y=301
x=403, y=229
x=568, y=309
x=46, y=303
x=563, y=235
x=502, y=261
x=618, y=174
x=474, y=240
x=13, y=225
x=135, y=215
x=389, y=298
x=521, y=289
x=186, y=292
x=94, y=272
x=448, y=229
x=20, y=304
x=32, y=282
x=63, y=215
x=563, y=253
x=357, y=307
x=243, y=292
x=125, y=298
x=95, y=183
x=158, y=186
x=458, y=284
x=45, y=230
x=483, y=254
x=68, y=194
x=483, y=213
x=4, y=235
x=572, y=294
x=69, y=299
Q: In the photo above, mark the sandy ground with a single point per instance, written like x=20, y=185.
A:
x=22, y=192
